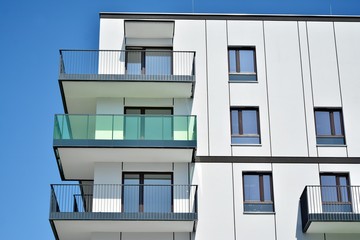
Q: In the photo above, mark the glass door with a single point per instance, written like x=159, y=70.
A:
x=148, y=123
x=335, y=193
x=147, y=192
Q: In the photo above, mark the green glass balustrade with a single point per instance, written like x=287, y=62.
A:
x=125, y=127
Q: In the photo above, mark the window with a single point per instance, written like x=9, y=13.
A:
x=148, y=123
x=335, y=192
x=258, y=196
x=147, y=192
x=329, y=126
x=149, y=61
x=242, y=64
x=245, y=126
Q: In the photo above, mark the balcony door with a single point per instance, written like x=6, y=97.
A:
x=335, y=193
x=147, y=192
x=143, y=123
x=148, y=61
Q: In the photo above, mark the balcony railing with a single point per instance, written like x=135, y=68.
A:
x=127, y=65
x=126, y=129
x=330, y=204
x=123, y=202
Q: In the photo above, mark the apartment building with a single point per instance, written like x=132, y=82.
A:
x=210, y=127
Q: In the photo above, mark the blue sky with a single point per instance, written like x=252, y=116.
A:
x=32, y=32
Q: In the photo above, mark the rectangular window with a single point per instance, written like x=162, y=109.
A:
x=258, y=195
x=245, y=126
x=147, y=192
x=335, y=192
x=148, y=61
x=242, y=64
x=329, y=126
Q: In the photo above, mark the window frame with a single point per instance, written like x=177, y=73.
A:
x=261, y=191
x=143, y=50
x=339, y=205
x=241, y=127
x=238, y=75
x=141, y=189
x=333, y=134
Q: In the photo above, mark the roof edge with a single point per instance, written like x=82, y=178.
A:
x=219, y=16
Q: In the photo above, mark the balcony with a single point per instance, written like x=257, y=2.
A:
x=82, y=140
x=77, y=210
x=92, y=74
x=330, y=209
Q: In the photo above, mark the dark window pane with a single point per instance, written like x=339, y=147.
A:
x=337, y=123
x=249, y=120
x=323, y=126
x=234, y=122
x=247, y=61
x=330, y=140
x=267, y=188
x=251, y=188
x=232, y=60
x=245, y=140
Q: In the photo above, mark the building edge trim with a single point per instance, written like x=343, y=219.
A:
x=290, y=160
x=209, y=16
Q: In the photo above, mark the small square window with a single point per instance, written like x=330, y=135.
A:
x=258, y=194
x=242, y=64
x=245, y=126
x=329, y=126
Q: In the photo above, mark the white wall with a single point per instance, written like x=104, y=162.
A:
x=252, y=94
x=348, y=51
x=218, y=90
x=190, y=35
x=285, y=89
x=111, y=34
x=289, y=181
x=215, y=194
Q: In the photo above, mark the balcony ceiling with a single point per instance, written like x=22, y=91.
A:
x=334, y=227
x=81, y=230
x=80, y=96
x=78, y=163
x=149, y=29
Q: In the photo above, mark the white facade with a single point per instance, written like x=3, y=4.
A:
x=302, y=64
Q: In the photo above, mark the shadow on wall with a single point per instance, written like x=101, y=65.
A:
x=305, y=236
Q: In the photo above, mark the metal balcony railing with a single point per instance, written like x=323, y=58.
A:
x=330, y=203
x=164, y=128
x=127, y=65
x=123, y=202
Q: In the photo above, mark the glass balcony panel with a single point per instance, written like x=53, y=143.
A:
x=125, y=127
x=132, y=127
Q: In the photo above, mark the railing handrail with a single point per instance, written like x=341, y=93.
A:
x=121, y=50
x=119, y=184
x=320, y=186
x=126, y=115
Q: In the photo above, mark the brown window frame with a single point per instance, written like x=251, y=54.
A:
x=338, y=185
x=237, y=59
x=240, y=123
x=261, y=187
